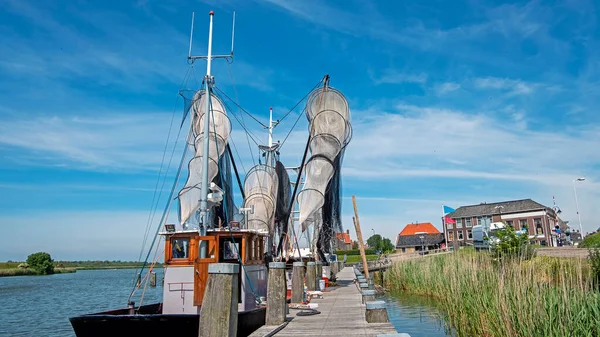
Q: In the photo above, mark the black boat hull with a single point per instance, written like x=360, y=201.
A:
x=149, y=322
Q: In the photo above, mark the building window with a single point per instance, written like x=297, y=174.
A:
x=537, y=222
x=180, y=248
x=509, y=223
x=458, y=223
x=488, y=219
x=460, y=235
x=449, y=225
x=468, y=222
x=469, y=234
x=523, y=223
x=479, y=220
x=450, y=236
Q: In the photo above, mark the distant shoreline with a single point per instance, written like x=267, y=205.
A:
x=61, y=267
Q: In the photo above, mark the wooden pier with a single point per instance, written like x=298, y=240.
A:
x=342, y=314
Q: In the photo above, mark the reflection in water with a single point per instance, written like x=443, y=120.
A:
x=415, y=315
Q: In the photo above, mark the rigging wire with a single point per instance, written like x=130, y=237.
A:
x=242, y=116
x=211, y=111
x=248, y=133
x=167, y=207
x=240, y=107
x=154, y=205
x=292, y=129
x=302, y=99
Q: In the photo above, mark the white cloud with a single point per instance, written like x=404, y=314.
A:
x=516, y=87
x=106, y=142
x=446, y=87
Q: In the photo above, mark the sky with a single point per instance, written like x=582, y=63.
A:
x=452, y=104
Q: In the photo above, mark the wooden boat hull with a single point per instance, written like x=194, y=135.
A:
x=150, y=322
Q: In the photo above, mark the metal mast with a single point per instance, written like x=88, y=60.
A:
x=208, y=84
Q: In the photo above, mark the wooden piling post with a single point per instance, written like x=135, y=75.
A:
x=334, y=269
x=368, y=296
x=219, y=312
x=297, y=282
x=153, y=279
x=376, y=312
x=319, y=270
x=311, y=276
x=277, y=288
x=361, y=244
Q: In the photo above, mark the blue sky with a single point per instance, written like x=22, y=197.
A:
x=451, y=104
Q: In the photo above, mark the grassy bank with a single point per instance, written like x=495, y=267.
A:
x=357, y=258
x=541, y=297
x=31, y=272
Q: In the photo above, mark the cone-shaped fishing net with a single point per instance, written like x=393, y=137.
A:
x=218, y=135
x=260, y=188
x=330, y=130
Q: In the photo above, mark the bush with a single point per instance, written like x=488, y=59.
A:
x=512, y=245
x=41, y=262
x=591, y=241
x=23, y=265
x=369, y=251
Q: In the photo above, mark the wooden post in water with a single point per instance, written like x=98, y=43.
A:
x=219, y=312
x=297, y=282
x=376, y=312
x=153, y=279
x=334, y=269
x=311, y=276
x=361, y=245
x=277, y=289
x=368, y=296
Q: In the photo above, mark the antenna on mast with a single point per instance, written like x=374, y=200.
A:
x=229, y=57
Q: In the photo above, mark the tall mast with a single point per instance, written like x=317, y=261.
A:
x=204, y=194
x=208, y=83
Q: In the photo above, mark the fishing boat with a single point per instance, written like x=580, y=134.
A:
x=212, y=229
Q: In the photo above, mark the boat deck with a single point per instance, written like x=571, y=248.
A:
x=342, y=314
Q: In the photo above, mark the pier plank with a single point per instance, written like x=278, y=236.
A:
x=342, y=314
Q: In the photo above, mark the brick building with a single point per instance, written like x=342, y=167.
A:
x=539, y=220
x=419, y=236
x=342, y=241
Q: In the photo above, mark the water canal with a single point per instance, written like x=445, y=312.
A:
x=41, y=305
x=415, y=315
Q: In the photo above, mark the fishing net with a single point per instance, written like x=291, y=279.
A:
x=283, y=198
x=218, y=135
x=260, y=188
x=330, y=131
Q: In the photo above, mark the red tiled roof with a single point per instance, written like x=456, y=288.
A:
x=344, y=236
x=412, y=229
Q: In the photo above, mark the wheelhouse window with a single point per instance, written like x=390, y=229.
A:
x=231, y=249
x=180, y=248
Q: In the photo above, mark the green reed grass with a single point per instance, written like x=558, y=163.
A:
x=483, y=297
x=17, y=272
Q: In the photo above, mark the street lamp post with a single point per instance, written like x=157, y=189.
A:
x=577, y=204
